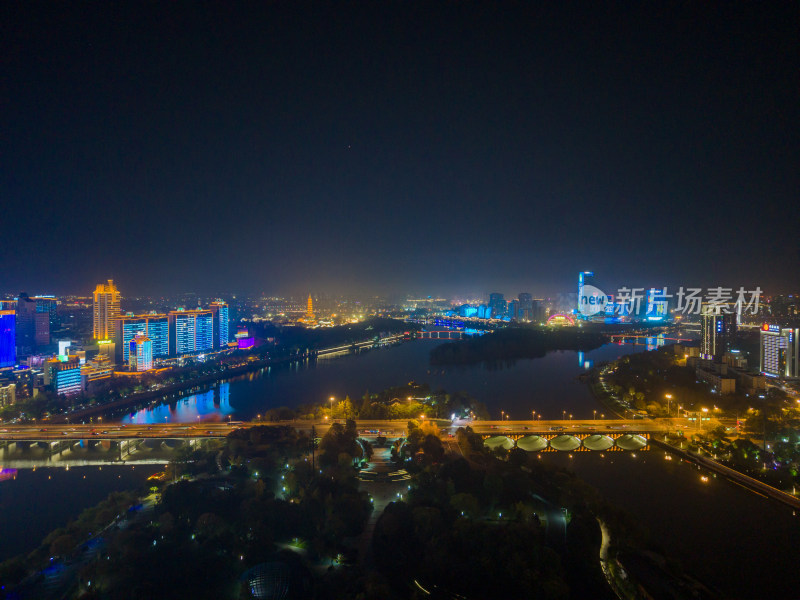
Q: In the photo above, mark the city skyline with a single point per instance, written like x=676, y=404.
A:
x=374, y=149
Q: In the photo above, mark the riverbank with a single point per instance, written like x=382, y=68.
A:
x=142, y=399
x=612, y=404
x=733, y=475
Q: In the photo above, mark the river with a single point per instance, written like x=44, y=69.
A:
x=547, y=385
x=730, y=538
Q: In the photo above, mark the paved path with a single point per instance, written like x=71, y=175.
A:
x=383, y=482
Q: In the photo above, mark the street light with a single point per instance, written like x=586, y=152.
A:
x=331, y=399
x=595, y=414
x=669, y=398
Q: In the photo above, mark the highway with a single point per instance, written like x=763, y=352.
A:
x=115, y=430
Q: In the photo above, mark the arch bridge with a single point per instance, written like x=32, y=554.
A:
x=555, y=441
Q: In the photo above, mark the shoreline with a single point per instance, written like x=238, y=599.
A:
x=143, y=398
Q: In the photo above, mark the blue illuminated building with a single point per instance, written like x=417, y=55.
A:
x=154, y=326
x=190, y=331
x=67, y=378
x=219, y=310
x=8, y=338
x=465, y=310
x=497, y=303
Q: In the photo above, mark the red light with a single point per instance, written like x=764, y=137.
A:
x=765, y=327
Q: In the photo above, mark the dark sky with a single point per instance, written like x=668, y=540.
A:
x=390, y=147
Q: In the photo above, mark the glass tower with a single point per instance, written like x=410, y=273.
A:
x=8, y=338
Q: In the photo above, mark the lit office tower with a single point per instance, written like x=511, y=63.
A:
x=514, y=310
x=525, y=306
x=154, y=326
x=584, y=278
x=780, y=351
x=106, y=307
x=66, y=378
x=190, y=331
x=497, y=303
x=48, y=305
x=8, y=338
x=718, y=329
x=220, y=311
x=140, y=353
x=26, y=325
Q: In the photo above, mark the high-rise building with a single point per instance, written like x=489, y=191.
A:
x=140, y=353
x=154, y=326
x=49, y=305
x=514, y=311
x=718, y=330
x=497, y=303
x=538, y=311
x=221, y=322
x=41, y=329
x=8, y=338
x=780, y=351
x=66, y=377
x=106, y=308
x=26, y=325
x=190, y=331
x=525, y=306
x=584, y=278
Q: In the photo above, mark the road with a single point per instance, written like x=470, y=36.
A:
x=113, y=430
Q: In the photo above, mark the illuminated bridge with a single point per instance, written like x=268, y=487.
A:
x=563, y=441
x=442, y=335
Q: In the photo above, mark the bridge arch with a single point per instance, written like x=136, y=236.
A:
x=598, y=442
x=532, y=443
x=630, y=441
x=499, y=441
x=565, y=443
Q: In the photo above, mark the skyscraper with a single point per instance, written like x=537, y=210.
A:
x=190, y=331
x=154, y=326
x=514, y=310
x=718, y=329
x=497, y=303
x=106, y=307
x=8, y=338
x=525, y=306
x=26, y=325
x=140, y=353
x=221, y=322
x=49, y=305
x=780, y=351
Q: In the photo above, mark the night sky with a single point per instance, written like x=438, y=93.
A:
x=398, y=147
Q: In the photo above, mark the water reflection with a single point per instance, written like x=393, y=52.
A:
x=211, y=405
x=547, y=385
